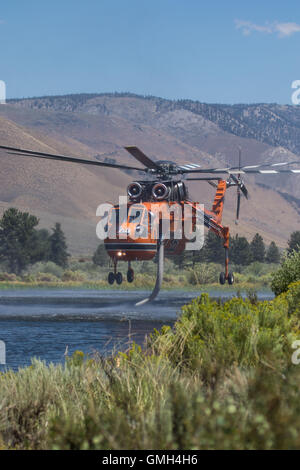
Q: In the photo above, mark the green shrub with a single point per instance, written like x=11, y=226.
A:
x=91, y=271
x=46, y=277
x=238, y=278
x=45, y=267
x=204, y=273
x=210, y=337
x=256, y=268
x=8, y=277
x=293, y=298
x=288, y=272
x=28, y=278
x=73, y=276
x=259, y=269
x=266, y=279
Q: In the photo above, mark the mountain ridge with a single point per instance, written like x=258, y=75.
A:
x=243, y=116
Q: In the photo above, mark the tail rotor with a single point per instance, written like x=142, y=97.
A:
x=241, y=188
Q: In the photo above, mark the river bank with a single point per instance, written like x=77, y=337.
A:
x=148, y=284
x=44, y=322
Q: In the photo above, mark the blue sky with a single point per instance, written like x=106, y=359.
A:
x=211, y=51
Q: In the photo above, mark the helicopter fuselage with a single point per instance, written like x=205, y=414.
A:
x=154, y=209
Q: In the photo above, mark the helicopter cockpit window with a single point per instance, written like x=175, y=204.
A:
x=116, y=218
x=152, y=220
x=136, y=214
x=105, y=219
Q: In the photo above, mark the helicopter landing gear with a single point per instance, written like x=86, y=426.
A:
x=114, y=276
x=227, y=276
x=119, y=278
x=229, y=279
x=130, y=273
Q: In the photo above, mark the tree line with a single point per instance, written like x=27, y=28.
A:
x=22, y=244
x=241, y=251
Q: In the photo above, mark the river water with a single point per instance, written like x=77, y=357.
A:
x=45, y=323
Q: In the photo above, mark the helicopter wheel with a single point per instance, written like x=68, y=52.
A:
x=111, y=278
x=130, y=275
x=119, y=278
x=230, y=278
x=222, y=278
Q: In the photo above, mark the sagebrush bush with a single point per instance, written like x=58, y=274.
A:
x=45, y=267
x=91, y=271
x=293, y=298
x=8, y=277
x=259, y=269
x=45, y=277
x=221, y=378
x=204, y=273
x=288, y=272
x=209, y=336
x=28, y=278
x=73, y=276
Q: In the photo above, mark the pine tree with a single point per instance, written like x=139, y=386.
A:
x=40, y=246
x=240, y=252
x=294, y=241
x=213, y=248
x=197, y=256
x=100, y=257
x=273, y=254
x=257, y=247
x=17, y=230
x=181, y=260
x=58, y=247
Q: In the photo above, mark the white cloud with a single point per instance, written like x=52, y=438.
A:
x=287, y=29
x=281, y=29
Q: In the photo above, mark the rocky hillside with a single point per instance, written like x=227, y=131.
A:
x=273, y=124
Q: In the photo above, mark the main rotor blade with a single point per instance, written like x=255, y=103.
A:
x=238, y=206
x=226, y=171
x=141, y=157
x=240, y=157
x=49, y=156
x=240, y=185
x=271, y=168
x=209, y=178
x=264, y=165
x=214, y=185
x=244, y=191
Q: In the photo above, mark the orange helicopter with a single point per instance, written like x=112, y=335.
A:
x=138, y=231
